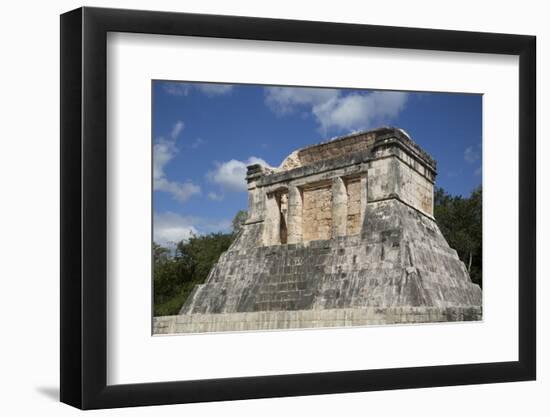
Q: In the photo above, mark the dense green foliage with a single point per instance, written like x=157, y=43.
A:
x=176, y=272
x=460, y=221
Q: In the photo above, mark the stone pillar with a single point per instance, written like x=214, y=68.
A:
x=254, y=206
x=363, y=199
x=255, y=194
x=272, y=221
x=339, y=207
x=294, y=216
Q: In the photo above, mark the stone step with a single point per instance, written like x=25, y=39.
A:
x=282, y=295
x=286, y=305
x=285, y=286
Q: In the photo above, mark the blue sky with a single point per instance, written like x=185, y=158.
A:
x=204, y=135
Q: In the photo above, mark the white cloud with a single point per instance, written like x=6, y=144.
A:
x=359, y=111
x=197, y=142
x=472, y=154
x=334, y=109
x=177, y=89
x=215, y=196
x=283, y=100
x=164, y=151
x=230, y=175
x=170, y=228
x=179, y=191
x=214, y=89
x=176, y=130
x=184, y=89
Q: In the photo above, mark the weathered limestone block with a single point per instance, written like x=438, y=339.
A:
x=272, y=231
x=341, y=234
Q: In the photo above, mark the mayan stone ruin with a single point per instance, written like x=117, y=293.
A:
x=341, y=234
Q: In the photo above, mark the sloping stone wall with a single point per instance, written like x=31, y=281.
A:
x=400, y=259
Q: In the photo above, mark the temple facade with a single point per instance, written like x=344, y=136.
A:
x=321, y=192
x=341, y=233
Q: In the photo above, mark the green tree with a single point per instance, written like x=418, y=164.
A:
x=160, y=254
x=200, y=253
x=460, y=221
x=177, y=272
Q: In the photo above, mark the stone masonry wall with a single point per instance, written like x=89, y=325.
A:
x=400, y=259
x=392, y=178
x=344, y=317
x=333, y=149
x=415, y=189
x=317, y=213
x=353, y=220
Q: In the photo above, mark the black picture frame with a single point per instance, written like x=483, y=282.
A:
x=84, y=207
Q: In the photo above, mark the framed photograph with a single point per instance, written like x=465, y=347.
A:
x=258, y=208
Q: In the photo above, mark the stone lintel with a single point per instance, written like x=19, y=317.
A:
x=315, y=168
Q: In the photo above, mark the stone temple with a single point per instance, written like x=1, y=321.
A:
x=342, y=233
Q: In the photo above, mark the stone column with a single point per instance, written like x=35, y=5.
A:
x=294, y=216
x=339, y=207
x=254, y=208
x=363, y=198
x=272, y=221
x=256, y=194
